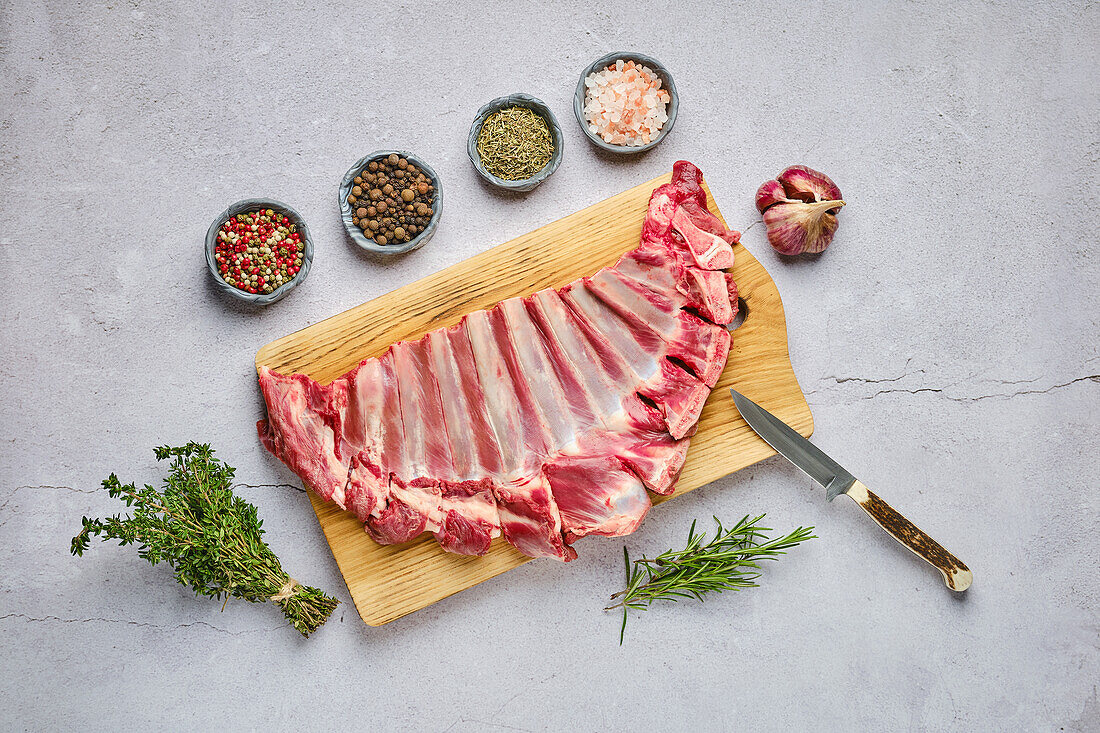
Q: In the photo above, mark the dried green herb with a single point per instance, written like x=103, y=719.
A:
x=213, y=539
x=515, y=143
x=727, y=561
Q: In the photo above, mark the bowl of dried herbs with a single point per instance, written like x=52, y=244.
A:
x=515, y=142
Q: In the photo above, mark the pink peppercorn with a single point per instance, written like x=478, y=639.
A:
x=259, y=260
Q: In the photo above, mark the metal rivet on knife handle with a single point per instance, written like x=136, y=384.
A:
x=955, y=574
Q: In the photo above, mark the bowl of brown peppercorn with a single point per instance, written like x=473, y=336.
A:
x=390, y=202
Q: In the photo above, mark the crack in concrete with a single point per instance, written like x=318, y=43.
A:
x=1018, y=381
x=495, y=725
x=51, y=486
x=299, y=489
x=942, y=390
x=74, y=489
x=868, y=380
x=506, y=703
x=1089, y=378
x=17, y=489
x=976, y=398
x=463, y=719
x=133, y=623
x=907, y=391
x=864, y=380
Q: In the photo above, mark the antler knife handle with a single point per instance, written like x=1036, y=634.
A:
x=957, y=576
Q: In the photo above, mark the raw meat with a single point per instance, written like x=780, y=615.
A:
x=543, y=419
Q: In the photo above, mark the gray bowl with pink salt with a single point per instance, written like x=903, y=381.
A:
x=665, y=83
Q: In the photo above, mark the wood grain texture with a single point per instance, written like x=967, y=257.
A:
x=387, y=582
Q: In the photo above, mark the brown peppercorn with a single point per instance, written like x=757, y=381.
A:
x=403, y=163
x=408, y=195
x=422, y=209
x=380, y=238
x=357, y=180
x=387, y=189
x=422, y=188
x=360, y=212
x=351, y=198
x=364, y=224
x=372, y=211
x=374, y=225
x=399, y=232
x=372, y=166
x=381, y=206
x=375, y=194
x=393, y=159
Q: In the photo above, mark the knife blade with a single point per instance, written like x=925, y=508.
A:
x=796, y=449
x=812, y=461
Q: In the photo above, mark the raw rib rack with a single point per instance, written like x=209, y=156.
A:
x=545, y=418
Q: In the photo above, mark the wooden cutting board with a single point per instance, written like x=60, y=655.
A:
x=388, y=582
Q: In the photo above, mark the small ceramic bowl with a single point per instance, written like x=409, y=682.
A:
x=357, y=234
x=666, y=83
x=245, y=206
x=535, y=105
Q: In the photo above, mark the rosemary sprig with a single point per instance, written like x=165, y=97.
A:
x=213, y=539
x=727, y=561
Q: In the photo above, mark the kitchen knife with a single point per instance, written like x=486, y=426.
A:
x=836, y=480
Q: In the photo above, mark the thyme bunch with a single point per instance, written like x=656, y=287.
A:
x=211, y=538
x=727, y=561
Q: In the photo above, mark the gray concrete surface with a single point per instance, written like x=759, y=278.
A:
x=947, y=343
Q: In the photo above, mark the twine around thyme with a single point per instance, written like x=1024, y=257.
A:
x=286, y=591
x=515, y=143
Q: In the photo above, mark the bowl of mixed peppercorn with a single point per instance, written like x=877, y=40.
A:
x=390, y=202
x=258, y=250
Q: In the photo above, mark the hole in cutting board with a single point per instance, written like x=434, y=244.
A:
x=742, y=313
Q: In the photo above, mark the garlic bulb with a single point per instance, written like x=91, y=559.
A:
x=799, y=208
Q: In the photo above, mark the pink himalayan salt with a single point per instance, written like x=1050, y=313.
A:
x=624, y=104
